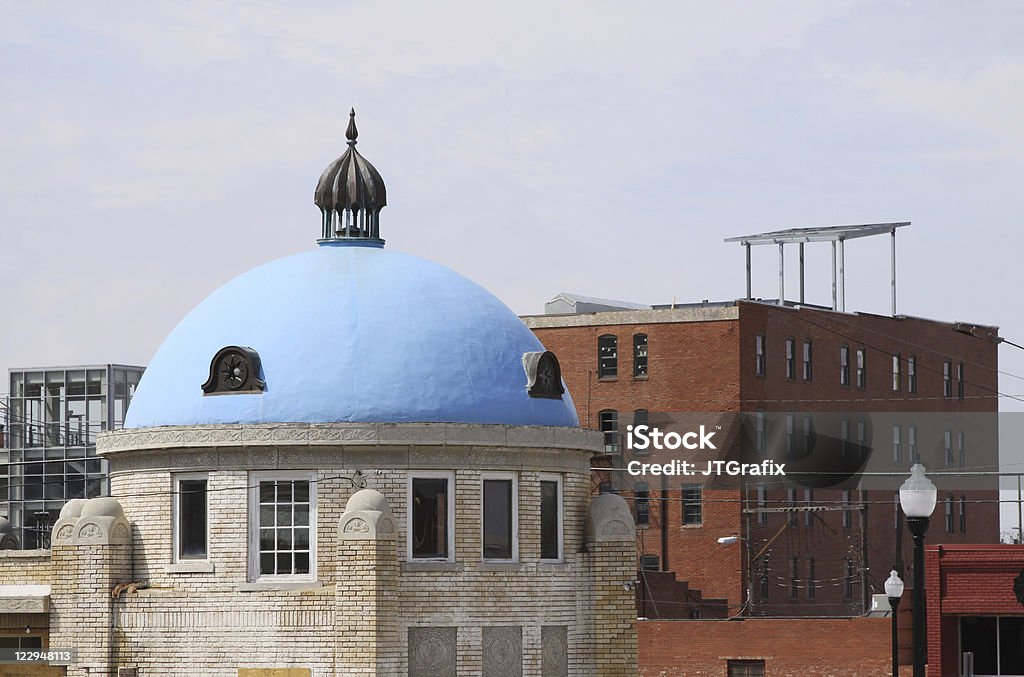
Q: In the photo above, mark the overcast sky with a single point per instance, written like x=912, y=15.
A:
x=149, y=152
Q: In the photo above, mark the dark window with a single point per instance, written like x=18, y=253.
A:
x=947, y=379
x=790, y=358
x=947, y=442
x=1011, y=645
x=759, y=354
x=192, y=519
x=746, y=669
x=550, y=531
x=808, y=503
x=808, y=366
x=794, y=577
x=430, y=518
x=643, y=505
x=760, y=439
x=284, y=521
x=791, y=501
x=847, y=515
x=862, y=369
x=897, y=377
x=997, y=644
x=960, y=380
x=949, y=514
x=650, y=562
x=844, y=437
x=848, y=580
x=912, y=374
x=912, y=444
x=640, y=355
x=607, y=356
x=810, y=578
x=790, y=436
x=897, y=444
x=498, y=517
x=961, y=449
x=808, y=435
x=610, y=428
x=692, y=504
x=762, y=502
x=844, y=365
x=862, y=439
x=963, y=514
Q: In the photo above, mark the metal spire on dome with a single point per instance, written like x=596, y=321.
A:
x=350, y=195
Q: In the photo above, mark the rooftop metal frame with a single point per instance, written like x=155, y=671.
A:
x=837, y=235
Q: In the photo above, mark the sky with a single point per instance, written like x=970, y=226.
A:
x=149, y=152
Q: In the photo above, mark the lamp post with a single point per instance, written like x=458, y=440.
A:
x=894, y=590
x=917, y=499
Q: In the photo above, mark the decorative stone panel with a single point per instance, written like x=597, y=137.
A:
x=433, y=652
x=554, y=651
x=503, y=651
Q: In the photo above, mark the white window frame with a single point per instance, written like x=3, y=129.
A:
x=549, y=477
x=450, y=535
x=254, y=480
x=176, y=478
x=515, y=514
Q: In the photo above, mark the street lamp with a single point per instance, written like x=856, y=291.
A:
x=894, y=590
x=917, y=499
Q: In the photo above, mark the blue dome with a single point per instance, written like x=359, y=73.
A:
x=351, y=333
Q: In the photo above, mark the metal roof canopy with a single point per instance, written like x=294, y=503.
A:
x=837, y=235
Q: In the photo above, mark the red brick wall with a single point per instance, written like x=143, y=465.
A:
x=854, y=647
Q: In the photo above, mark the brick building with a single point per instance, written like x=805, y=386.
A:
x=867, y=394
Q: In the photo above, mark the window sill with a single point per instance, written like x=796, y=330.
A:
x=552, y=565
x=201, y=566
x=691, y=526
x=256, y=586
x=640, y=378
x=500, y=566
x=432, y=566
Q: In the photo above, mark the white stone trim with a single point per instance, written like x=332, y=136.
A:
x=24, y=599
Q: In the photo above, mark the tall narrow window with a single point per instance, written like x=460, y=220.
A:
x=960, y=380
x=500, y=515
x=640, y=355
x=947, y=443
x=809, y=505
x=947, y=379
x=808, y=366
x=794, y=577
x=811, y=577
x=847, y=514
x=949, y=514
x=912, y=374
x=607, y=356
x=897, y=444
x=762, y=502
x=844, y=437
x=791, y=500
x=844, y=365
x=862, y=369
x=692, y=504
x=759, y=354
x=610, y=428
x=808, y=434
x=790, y=436
x=897, y=377
x=432, y=516
x=848, y=580
x=963, y=514
x=190, y=517
x=862, y=441
x=961, y=449
x=285, y=509
x=912, y=444
x=790, y=358
x=643, y=504
x=551, y=517
x=760, y=440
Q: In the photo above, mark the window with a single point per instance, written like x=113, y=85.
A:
x=607, y=356
x=610, y=428
x=790, y=358
x=912, y=444
x=963, y=514
x=848, y=580
x=692, y=504
x=551, y=517
x=759, y=358
x=745, y=668
x=912, y=374
x=794, y=577
x=844, y=365
x=760, y=439
x=643, y=505
x=190, y=517
x=808, y=366
x=947, y=379
x=500, y=520
x=810, y=578
x=961, y=450
x=862, y=439
x=791, y=500
x=764, y=587
x=808, y=435
x=995, y=643
x=844, y=437
x=897, y=377
x=949, y=514
x=862, y=369
x=947, y=442
x=650, y=563
x=432, y=524
x=847, y=515
x=897, y=439
x=808, y=503
x=960, y=380
x=640, y=355
x=762, y=502
x=790, y=436
x=284, y=510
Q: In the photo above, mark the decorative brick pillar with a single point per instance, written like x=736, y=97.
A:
x=366, y=629
x=91, y=553
x=611, y=542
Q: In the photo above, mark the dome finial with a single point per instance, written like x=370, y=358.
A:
x=351, y=133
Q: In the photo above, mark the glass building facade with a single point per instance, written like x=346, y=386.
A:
x=52, y=417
